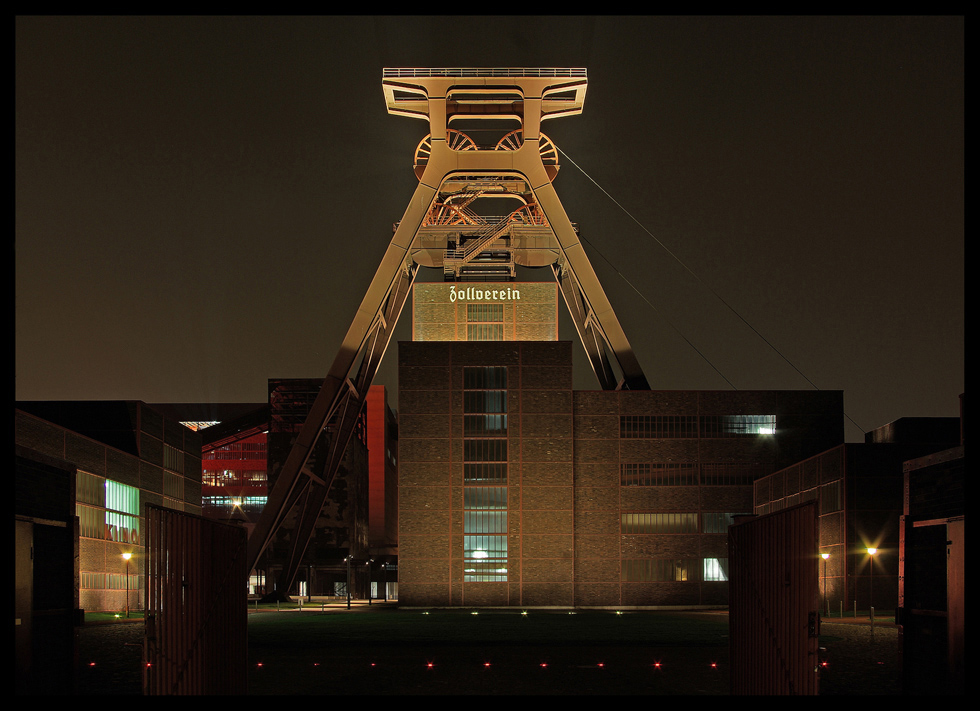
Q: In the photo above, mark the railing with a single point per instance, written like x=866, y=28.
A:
x=485, y=72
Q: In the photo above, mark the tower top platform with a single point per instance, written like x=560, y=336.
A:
x=558, y=91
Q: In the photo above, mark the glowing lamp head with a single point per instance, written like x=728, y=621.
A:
x=127, y=556
x=872, y=551
x=825, y=556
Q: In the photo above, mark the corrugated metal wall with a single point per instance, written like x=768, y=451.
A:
x=774, y=599
x=196, y=606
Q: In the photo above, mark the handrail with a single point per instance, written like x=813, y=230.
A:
x=485, y=72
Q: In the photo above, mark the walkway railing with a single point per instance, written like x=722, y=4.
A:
x=484, y=72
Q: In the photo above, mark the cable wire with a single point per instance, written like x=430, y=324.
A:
x=699, y=280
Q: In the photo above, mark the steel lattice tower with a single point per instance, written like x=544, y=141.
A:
x=442, y=229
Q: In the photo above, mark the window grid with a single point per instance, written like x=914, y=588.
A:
x=692, y=427
x=484, y=332
x=716, y=522
x=485, y=401
x=658, y=426
x=485, y=465
x=485, y=473
x=738, y=425
x=488, y=378
x=830, y=497
x=485, y=313
x=90, y=489
x=659, y=523
x=238, y=450
x=173, y=459
x=658, y=474
x=485, y=425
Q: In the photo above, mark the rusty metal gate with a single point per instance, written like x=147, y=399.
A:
x=774, y=602
x=196, y=605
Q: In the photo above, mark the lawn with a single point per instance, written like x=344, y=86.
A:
x=493, y=652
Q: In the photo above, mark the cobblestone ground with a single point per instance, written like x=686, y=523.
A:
x=109, y=659
x=859, y=663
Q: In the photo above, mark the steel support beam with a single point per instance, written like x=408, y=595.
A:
x=344, y=391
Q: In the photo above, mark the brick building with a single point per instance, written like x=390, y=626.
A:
x=516, y=490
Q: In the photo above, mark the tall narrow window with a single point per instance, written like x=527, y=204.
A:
x=485, y=474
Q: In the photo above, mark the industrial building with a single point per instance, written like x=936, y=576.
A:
x=243, y=448
x=123, y=454
x=860, y=490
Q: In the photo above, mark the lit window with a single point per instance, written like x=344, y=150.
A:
x=716, y=569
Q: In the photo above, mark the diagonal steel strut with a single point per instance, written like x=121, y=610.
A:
x=343, y=394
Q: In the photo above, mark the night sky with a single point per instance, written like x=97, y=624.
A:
x=770, y=203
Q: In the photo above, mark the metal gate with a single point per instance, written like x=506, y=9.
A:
x=773, y=602
x=196, y=605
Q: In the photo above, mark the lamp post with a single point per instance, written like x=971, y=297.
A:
x=825, y=556
x=384, y=580
x=871, y=593
x=368, y=564
x=126, y=557
x=348, y=581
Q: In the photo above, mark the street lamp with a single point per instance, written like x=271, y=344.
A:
x=126, y=557
x=348, y=581
x=825, y=556
x=871, y=594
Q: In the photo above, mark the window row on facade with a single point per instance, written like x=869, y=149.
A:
x=109, y=581
x=694, y=426
x=233, y=477
x=688, y=473
x=675, y=522
x=657, y=570
x=829, y=497
x=239, y=450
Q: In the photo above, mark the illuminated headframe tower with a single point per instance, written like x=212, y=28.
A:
x=484, y=148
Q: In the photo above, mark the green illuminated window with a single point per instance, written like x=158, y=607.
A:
x=122, y=504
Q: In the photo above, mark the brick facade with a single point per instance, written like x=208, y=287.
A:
x=566, y=500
